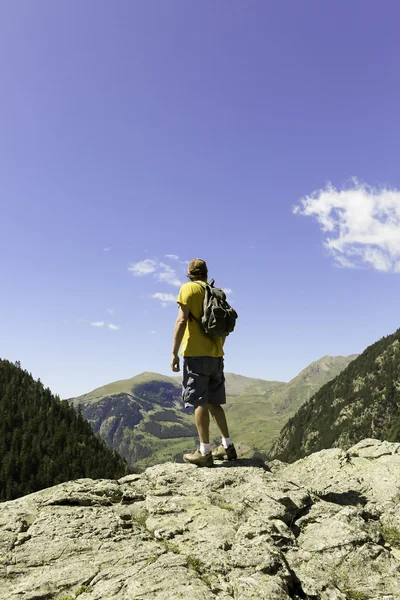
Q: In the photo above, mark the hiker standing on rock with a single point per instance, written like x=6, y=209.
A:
x=203, y=322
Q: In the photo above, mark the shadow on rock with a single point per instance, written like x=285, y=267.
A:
x=243, y=462
x=349, y=498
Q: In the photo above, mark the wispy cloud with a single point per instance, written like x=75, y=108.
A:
x=172, y=256
x=97, y=323
x=110, y=311
x=107, y=249
x=163, y=272
x=164, y=298
x=144, y=267
x=153, y=332
x=168, y=275
x=361, y=224
x=228, y=291
x=114, y=327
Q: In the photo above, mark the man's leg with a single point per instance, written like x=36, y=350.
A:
x=195, y=392
x=227, y=448
x=216, y=398
x=219, y=416
x=202, y=457
x=202, y=421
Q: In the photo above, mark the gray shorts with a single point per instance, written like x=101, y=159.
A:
x=203, y=380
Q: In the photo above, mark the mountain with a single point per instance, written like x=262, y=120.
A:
x=362, y=401
x=323, y=528
x=238, y=385
x=43, y=441
x=143, y=417
x=257, y=411
x=290, y=397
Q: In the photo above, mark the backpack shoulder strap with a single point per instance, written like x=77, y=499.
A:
x=204, y=286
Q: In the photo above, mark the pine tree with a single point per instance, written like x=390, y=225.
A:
x=368, y=390
x=43, y=441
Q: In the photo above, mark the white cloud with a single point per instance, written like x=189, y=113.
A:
x=114, y=327
x=342, y=261
x=107, y=249
x=172, y=256
x=110, y=311
x=167, y=274
x=361, y=224
x=160, y=270
x=228, y=291
x=98, y=324
x=164, y=298
x=144, y=267
x=153, y=332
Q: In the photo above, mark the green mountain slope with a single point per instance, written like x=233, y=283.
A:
x=43, y=441
x=363, y=401
x=238, y=385
x=289, y=398
x=257, y=415
x=142, y=417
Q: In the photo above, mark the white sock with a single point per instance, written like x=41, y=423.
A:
x=205, y=449
x=226, y=442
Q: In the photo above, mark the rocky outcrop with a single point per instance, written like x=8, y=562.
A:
x=324, y=528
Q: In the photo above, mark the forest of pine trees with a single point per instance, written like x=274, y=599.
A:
x=43, y=441
x=368, y=390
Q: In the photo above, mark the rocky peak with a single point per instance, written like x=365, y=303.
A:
x=326, y=527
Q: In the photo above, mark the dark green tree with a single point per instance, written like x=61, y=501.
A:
x=43, y=441
x=361, y=402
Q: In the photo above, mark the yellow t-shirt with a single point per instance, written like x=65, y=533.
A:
x=195, y=342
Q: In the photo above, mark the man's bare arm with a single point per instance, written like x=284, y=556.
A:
x=179, y=330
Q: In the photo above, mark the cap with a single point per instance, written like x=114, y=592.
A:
x=197, y=268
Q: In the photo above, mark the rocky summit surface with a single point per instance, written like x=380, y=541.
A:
x=326, y=527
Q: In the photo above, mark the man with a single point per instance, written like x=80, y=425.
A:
x=203, y=381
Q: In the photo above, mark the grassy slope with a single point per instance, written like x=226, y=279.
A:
x=257, y=420
x=252, y=419
x=256, y=411
x=140, y=447
x=124, y=386
x=362, y=402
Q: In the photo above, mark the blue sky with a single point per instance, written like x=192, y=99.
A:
x=134, y=130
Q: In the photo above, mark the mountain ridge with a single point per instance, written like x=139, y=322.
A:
x=362, y=401
x=143, y=417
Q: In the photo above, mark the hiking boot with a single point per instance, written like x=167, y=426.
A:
x=220, y=453
x=196, y=458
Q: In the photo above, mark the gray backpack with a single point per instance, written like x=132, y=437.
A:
x=218, y=318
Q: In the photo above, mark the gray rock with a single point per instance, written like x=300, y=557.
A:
x=326, y=528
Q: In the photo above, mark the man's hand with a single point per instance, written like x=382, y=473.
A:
x=179, y=330
x=175, y=363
